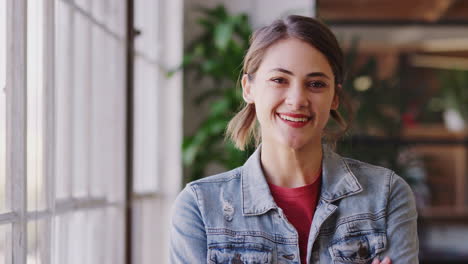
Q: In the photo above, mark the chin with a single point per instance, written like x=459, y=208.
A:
x=295, y=144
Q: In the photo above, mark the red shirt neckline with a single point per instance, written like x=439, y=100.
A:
x=286, y=192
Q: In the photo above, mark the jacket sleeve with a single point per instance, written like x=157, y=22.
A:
x=402, y=235
x=187, y=234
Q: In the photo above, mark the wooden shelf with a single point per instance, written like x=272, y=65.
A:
x=444, y=213
x=447, y=172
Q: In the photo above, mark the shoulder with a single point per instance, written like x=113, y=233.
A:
x=360, y=167
x=207, y=189
x=378, y=178
x=367, y=173
x=220, y=178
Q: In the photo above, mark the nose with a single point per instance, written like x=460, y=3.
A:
x=296, y=97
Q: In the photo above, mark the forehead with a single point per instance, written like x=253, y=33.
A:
x=295, y=55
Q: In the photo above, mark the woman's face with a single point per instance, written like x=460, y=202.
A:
x=293, y=91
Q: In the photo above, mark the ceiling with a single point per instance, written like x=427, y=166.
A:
x=435, y=26
x=393, y=11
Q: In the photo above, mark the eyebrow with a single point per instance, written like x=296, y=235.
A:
x=312, y=74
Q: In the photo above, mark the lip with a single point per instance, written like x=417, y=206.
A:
x=295, y=115
x=294, y=124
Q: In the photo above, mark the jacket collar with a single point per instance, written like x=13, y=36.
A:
x=256, y=196
x=338, y=182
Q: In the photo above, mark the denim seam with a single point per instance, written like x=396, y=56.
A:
x=380, y=246
x=273, y=238
x=369, y=216
x=199, y=204
x=389, y=188
x=345, y=166
x=231, y=176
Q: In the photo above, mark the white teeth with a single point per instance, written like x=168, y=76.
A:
x=294, y=119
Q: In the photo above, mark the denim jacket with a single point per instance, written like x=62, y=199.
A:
x=364, y=211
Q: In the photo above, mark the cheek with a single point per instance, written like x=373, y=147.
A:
x=324, y=112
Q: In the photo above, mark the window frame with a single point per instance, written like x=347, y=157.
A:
x=169, y=171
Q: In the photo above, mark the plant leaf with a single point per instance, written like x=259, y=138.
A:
x=222, y=35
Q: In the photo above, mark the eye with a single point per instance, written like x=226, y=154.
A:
x=278, y=80
x=316, y=84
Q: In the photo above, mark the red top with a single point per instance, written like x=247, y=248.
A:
x=298, y=205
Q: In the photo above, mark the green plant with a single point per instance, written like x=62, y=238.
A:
x=454, y=91
x=216, y=58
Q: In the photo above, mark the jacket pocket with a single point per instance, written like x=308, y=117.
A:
x=358, y=248
x=239, y=253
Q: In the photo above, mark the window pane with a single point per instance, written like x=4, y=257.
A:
x=5, y=244
x=35, y=105
x=99, y=67
x=116, y=17
x=38, y=244
x=149, y=228
x=114, y=247
x=3, y=44
x=76, y=240
x=111, y=14
x=147, y=21
x=108, y=116
x=146, y=126
x=84, y=4
x=81, y=105
x=59, y=246
x=63, y=99
x=95, y=236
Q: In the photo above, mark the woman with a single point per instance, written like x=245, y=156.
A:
x=294, y=200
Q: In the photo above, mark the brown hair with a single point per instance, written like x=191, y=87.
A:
x=242, y=126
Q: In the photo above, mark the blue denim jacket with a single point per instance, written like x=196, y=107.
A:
x=364, y=211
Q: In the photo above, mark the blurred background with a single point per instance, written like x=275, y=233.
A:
x=108, y=107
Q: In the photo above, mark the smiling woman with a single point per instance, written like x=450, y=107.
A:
x=294, y=200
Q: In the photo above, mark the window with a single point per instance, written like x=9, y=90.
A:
x=157, y=125
x=63, y=108
x=89, y=166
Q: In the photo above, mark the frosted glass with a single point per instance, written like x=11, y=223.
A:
x=59, y=240
x=5, y=244
x=35, y=105
x=63, y=99
x=146, y=132
x=76, y=238
x=81, y=105
x=108, y=117
x=147, y=21
x=114, y=228
x=3, y=44
x=38, y=242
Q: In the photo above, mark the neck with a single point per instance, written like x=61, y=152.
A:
x=287, y=167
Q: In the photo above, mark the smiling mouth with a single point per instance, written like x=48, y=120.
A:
x=296, y=119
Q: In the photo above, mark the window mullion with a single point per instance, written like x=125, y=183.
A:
x=16, y=124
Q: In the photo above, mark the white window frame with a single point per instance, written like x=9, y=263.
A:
x=16, y=129
x=157, y=203
x=169, y=174
x=17, y=215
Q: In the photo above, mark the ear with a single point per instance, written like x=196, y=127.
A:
x=247, y=89
x=336, y=100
